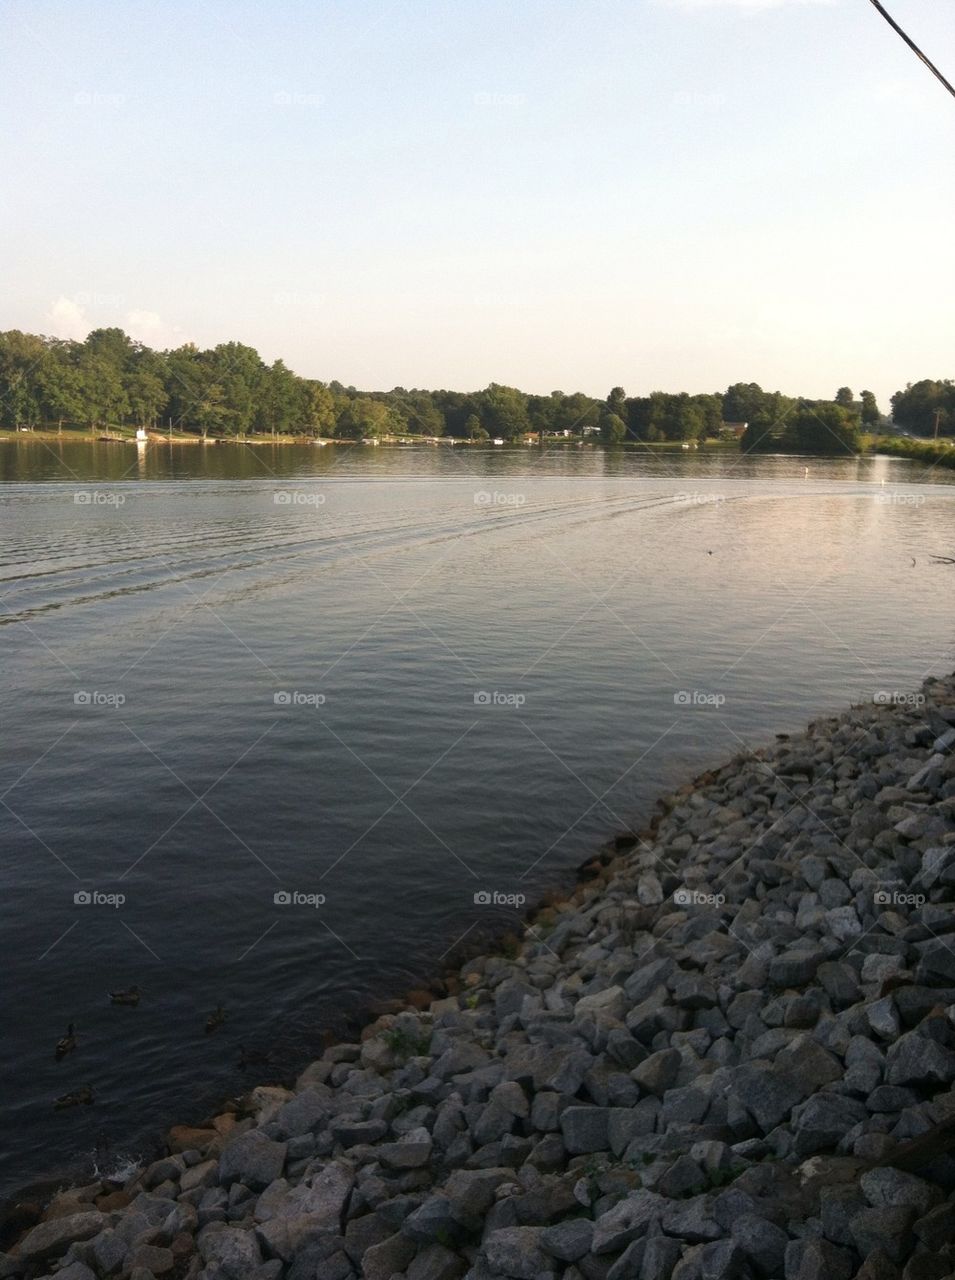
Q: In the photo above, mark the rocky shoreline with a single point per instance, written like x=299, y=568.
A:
x=730, y=1054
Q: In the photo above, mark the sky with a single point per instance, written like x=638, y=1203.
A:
x=553, y=194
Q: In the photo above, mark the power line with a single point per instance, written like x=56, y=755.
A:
x=914, y=47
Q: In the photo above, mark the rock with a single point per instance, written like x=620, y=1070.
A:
x=52, y=1238
x=659, y=1072
x=721, y=1260
x=609, y=1003
x=436, y=1262
x=626, y=1221
x=568, y=1240
x=253, y=1159
x=888, y=1228
x=824, y=1120
x=768, y=1095
x=412, y=1151
x=234, y=1251
x=432, y=1220
x=584, y=1129
x=516, y=1252
x=381, y=1261
x=109, y=1251
x=795, y=968
x=817, y=1260
x=471, y=1193
x=660, y=1256
x=762, y=1242
x=887, y=1186
x=152, y=1258
x=937, y=1228
x=914, y=1059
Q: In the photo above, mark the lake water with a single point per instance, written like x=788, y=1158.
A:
x=392, y=677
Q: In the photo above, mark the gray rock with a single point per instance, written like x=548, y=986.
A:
x=253, y=1159
x=568, y=1240
x=659, y=1072
x=435, y=1262
x=233, y=1251
x=411, y=1151
x=768, y=1095
x=516, y=1252
x=763, y=1243
x=824, y=1120
x=889, y=1186
x=795, y=968
x=52, y=1238
x=584, y=1129
x=937, y=1228
x=626, y=1221
x=888, y=1228
x=660, y=1256
x=381, y=1261
x=915, y=1059
x=432, y=1220
x=815, y=1259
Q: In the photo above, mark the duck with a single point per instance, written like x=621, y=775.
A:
x=215, y=1019
x=65, y=1045
x=78, y=1098
x=129, y=996
x=252, y=1057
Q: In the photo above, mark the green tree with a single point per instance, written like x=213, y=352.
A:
x=613, y=429
x=844, y=397
x=823, y=428
x=870, y=409
x=504, y=411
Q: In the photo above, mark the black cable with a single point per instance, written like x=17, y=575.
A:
x=914, y=47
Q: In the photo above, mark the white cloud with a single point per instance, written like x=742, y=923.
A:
x=67, y=319
x=150, y=328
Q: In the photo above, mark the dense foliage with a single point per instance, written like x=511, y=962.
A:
x=110, y=380
x=924, y=405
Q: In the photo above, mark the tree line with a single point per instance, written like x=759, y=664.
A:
x=229, y=390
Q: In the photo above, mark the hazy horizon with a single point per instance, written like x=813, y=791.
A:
x=673, y=195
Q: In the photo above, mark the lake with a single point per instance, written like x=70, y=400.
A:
x=273, y=716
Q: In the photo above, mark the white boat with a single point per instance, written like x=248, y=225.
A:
x=498, y=440
x=141, y=436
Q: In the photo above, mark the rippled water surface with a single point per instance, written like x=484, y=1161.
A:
x=392, y=677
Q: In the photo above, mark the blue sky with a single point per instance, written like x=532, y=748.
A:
x=669, y=194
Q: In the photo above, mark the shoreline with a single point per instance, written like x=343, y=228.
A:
x=667, y=1066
